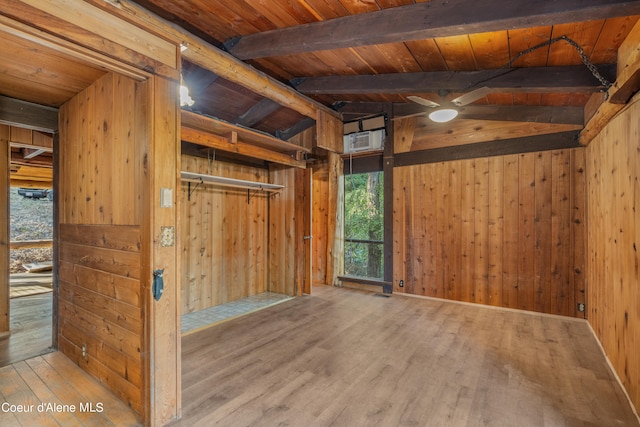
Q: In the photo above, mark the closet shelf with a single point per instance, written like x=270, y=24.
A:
x=229, y=182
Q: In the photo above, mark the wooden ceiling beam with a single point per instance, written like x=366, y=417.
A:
x=556, y=141
x=299, y=127
x=15, y=112
x=569, y=79
x=258, y=112
x=423, y=21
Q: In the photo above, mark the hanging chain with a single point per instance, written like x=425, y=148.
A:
x=581, y=52
x=583, y=56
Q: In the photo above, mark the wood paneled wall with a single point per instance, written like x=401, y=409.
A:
x=224, y=238
x=505, y=231
x=103, y=132
x=101, y=160
x=613, y=304
x=286, y=245
x=100, y=305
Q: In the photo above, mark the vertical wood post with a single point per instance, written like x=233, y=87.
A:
x=162, y=393
x=335, y=221
x=387, y=170
x=55, y=280
x=329, y=136
x=5, y=237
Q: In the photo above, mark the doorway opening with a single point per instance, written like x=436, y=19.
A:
x=30, y=253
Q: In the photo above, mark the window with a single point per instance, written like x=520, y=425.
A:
x=364, y=227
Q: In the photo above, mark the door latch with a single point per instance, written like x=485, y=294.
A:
x=158, y=284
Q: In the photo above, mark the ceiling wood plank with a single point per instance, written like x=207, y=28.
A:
x=584, y=33
x=24, y=114
x=457, y=52
x=613, y=33
x=388, y=58
x=520, y=80
x=529, y=144
x=521, y=39
x=427, y=55
x=491, y=50
x=422, y=21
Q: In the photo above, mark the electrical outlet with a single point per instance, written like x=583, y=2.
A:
x=84, y=351
x=401, y=284
x=581, y=307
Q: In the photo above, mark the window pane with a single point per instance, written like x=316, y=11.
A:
x=364, y=229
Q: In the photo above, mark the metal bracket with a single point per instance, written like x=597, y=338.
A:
x=189, y=190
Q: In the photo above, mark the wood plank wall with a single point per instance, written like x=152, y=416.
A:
x=286, y=272
x=613, y=304
x=99, y=294
x=505, y=231
x=100, y=191
x=224, y=238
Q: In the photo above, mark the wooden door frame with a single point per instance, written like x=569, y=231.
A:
x=307, y=201
x=5, y=236
x=161, y=372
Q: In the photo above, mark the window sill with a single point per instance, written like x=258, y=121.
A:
x=387, y=287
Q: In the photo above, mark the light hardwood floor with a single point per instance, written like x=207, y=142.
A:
x=31, y=329
x=345, y=357
x=53, y=380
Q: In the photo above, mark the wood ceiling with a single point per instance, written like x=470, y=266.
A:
x=367, y=52
x=358, y=56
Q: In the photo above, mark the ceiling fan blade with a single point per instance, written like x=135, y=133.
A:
x=408, y=116
x=472, y=96
x=423, y=101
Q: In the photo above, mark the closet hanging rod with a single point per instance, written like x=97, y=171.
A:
x=229, y=182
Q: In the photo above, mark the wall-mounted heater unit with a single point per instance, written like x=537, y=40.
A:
x=364, y=141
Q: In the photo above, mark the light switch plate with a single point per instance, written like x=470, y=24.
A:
x=166, y=197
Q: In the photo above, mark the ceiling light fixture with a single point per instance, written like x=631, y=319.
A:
x=443, y=115
x=185, y=98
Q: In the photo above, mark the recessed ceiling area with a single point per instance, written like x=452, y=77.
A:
x=35, y=73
